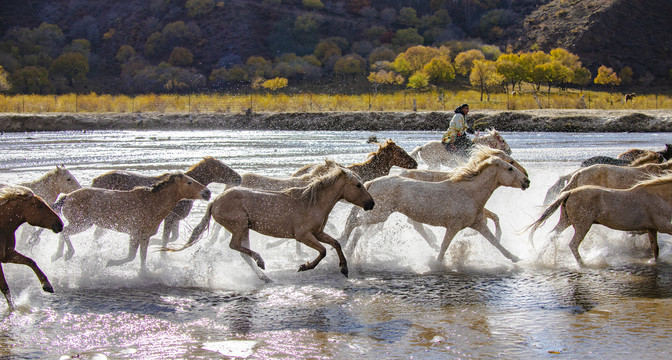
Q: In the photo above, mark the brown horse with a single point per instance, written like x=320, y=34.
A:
x=48, y=187
x=261, y=182
x=646, y=206
x=206, y=171
x=632, y=154
x=137, y=212
x=455, y=203
x=298, y=213
x=17, y=206
x=377, y=164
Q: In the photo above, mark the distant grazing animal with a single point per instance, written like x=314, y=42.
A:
x=137, y=212
x=629, y=97
x=646, y=206
x=19, y=204
x=206, y=171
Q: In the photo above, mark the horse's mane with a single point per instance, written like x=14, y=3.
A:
x=13, y=192
x=319, y=169
x=476, y=163
x=309, y=192
x=647, y=158
x=655, y=180
x=164, y=180
x=381, y=146
x=205, y=159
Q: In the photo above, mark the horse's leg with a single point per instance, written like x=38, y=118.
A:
x=5, y=290
x=325, y=238
x=171, y=230
x=482, y=227
x=64, y=239
x=133, y=245
x=245, y=242
x=310, y=240
x=237, y=241
x=653, y=239
x=98, y=233
x=580, y=231
x=492, y=216
x=447, y=238
x=351, y=223
x=35, y=237
x=429, y=236
x=17, y=258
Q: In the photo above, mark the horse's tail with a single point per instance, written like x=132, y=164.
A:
x=416, y=152
x=546, y=214
x=556, y=188
x=198, y=231
x=58, y=205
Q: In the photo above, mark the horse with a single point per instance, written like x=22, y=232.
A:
x=48, y=187
x=137, y=212
x=261, y=182
x=434, y=153
x=643, y=159
x=377, y=164
x=629, y=97
x=455, y=203
x=298, y=213
x=633, y=154
x=206, y=171
x=646, y=206
x=478, y=154
x=20, y=205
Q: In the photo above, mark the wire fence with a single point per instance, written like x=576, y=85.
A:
x=310, y=102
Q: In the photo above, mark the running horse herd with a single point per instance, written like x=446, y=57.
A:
x=630, y=193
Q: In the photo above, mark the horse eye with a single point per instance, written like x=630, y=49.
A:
x=511, y=162
x=359, y=185
x=510, y=169
x=189, y=183
x=67, y=179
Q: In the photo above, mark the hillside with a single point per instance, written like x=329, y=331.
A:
x=222, y=34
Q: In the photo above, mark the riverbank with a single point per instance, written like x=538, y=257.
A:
x=552, y=120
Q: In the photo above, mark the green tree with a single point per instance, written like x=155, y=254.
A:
x=306, y=23
x=408, y=17
x=125, y=53
x=199, y=7
x=313, y=4
x=257, y=66
x=405, y=38
x=72, y=67
x=382, y=53
x=606, y=76
x=327, y=49
x=439, y=70
x=485, y=76
x=5, y=85
x=464, y=61
x=626, y=74
x=31, y=80
x=418, y=80
x=581, y=77
x=351, y=64
x=181, y=57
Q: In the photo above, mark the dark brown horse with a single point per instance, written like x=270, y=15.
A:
x=19, y=205
x=206, y=171
x=377, y=164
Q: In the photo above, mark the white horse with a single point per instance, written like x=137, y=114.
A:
x=434, y=153
x=455, y=203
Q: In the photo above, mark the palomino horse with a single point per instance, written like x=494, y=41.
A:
x=48, y=187
x=261, y=182
x=18, y=205
x=206, y=171
x=377, y=164
x=434, y=153
x=298, y=213
x=478, y=154
x=455, y=203
x=646, y=206
x=603, y=170
x=137, y=212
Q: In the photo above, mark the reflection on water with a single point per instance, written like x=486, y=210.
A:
x=206, y=303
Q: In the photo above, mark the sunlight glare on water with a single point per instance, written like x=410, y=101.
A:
x=204, y=302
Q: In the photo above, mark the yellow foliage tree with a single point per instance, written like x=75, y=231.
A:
x=606, y=76
x=275, y=84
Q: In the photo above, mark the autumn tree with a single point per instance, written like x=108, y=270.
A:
x=464, y=61
x=415, y=58
x=313, y=4
x=384, y=77
x=554, y=73
x=257, y=66
x=351, y=64
x=439, y=70
x=606, y=76
x=70, y=67
x=4, y=80
x=405, y=38
x=199, y=7
x=31, y=80
x=485, y=76
x=275, y=84
x=510, y=67
x=418, y=80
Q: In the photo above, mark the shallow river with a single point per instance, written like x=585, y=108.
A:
x=205, y=302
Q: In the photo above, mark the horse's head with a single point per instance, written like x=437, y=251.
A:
x=494, y=140
x=506, y=157
x=397, y=155
x=508, y=175
x=355, y=192
x=62, y=181
x=20, y=202
x=219, y=172
x=186, y=186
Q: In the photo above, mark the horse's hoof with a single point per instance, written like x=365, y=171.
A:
x=55, y=257
x=261, y=264
x=344, y=271
x=48, y=288
x=515, y=259
x=68, y=256
x=303, y=267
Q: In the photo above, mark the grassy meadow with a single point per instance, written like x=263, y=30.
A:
x=308, y=102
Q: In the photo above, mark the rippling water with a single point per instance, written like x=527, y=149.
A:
x=206, y=303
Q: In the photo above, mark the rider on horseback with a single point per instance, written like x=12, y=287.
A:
x=455, y=138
